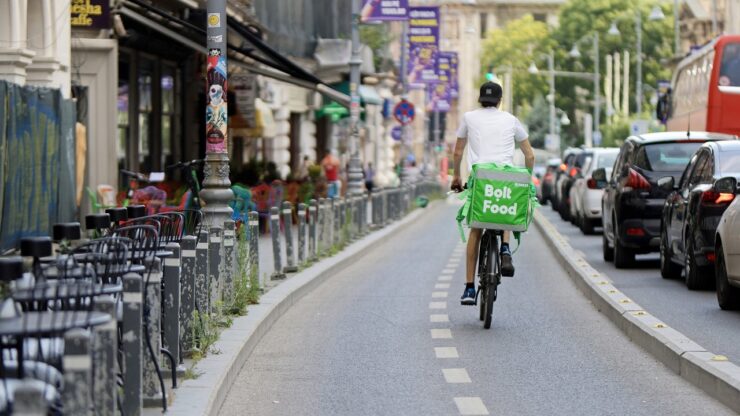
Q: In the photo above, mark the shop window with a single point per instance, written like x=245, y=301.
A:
x=122, y=111
x=168, y=114
x=145, y=114
x=483, y=25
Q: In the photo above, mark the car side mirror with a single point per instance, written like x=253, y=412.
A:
x=667, y=183
x=599, y=175
x=727, y=185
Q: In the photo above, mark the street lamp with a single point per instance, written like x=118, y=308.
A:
x=575, y=53
x=655, y=14
x=533, y=69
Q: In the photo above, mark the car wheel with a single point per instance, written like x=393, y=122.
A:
x=623, y=256
x=564, y=212
x=587, y=226
x=607, y=251
x=668, y=269
x=695, y=276
x=728, y=296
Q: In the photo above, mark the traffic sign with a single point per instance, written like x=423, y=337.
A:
x=397, y=133
x=404, y=112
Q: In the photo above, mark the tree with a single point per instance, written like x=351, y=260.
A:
x=538, y=121
x=378, y=38
x=513, y=48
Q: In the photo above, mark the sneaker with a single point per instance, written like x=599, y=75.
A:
x=507, y=266
x=468, y=297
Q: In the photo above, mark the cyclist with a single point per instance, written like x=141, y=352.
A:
x=490, y=135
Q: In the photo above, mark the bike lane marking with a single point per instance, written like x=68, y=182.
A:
x=445, y=277
x=441, y=333
x=446, y=352
x=437, y=305
x=441, y=285
x=456, y=375
x=439, y=318
x=470, y=406
x=437, y=295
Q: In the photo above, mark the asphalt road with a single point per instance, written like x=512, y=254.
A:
x=366, y=343
x=694, y=313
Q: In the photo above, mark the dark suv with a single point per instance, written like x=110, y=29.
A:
x=632, y=205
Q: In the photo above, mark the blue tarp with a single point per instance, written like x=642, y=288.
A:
x=37, y=163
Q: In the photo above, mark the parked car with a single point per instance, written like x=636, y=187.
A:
x=548, y=180
x=727, y=249
x=692, y=212
x=566, y=180
x=585, y=195
x=569, y=155
x=632, y=205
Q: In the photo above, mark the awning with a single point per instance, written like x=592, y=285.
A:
x=333, y=110
x=369, y=95
x=283, y=69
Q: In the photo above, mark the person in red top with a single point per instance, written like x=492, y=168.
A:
x=331, y=165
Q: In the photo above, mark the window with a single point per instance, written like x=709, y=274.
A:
x=696, y=175
x=145, y=114
x=683, y=183
x=540, y=17
x=606, y=160
x=168, y=114
x=665, y=157
x=483, y=25
x=729, y=73
x=729, y=163
x=122, y=110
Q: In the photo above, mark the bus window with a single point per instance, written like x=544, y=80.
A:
x=729, y=75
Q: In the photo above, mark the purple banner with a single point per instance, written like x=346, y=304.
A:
x=438, y=97
x=454, y=85
x=423, y=44
x=384, y=10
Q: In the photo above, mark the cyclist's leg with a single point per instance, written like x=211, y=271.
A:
x=507, y=265
x=472, y=255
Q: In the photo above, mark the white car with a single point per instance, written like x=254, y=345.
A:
x=727, y=260
x=585, y=195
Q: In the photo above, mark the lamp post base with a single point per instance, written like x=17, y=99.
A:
x=216, y=193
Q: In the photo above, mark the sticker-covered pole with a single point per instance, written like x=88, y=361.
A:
x=216, y=191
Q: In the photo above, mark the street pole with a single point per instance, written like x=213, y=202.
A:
x=354, y=174
x=216, y=192
x=405, y=95
x=638, y=22
x=597, y=85
x=551, y=98
x=676, y=29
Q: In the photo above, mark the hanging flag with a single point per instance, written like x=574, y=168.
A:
x=384, y=10
x=423, y=45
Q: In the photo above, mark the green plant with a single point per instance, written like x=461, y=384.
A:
x=204, y=334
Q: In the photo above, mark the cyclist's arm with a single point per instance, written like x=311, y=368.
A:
x=526, y=148
x=457, y=161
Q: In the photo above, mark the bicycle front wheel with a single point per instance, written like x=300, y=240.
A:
x=483, y=271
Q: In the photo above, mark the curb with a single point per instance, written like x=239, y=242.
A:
x=205, y=394
x=714, y=374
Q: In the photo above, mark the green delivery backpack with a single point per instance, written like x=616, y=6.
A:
x=498, y=197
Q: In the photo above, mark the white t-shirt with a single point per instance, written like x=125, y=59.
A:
x=491, y=134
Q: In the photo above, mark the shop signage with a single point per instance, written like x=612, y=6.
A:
x=91, y=14
x=245, y=94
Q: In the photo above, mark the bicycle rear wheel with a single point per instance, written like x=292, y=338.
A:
x=491, y=277
x=483, y=262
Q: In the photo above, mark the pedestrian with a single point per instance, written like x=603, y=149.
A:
x=369, y=177
x=331, y=165
x=303, y=169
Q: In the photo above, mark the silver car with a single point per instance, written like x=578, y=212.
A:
x=727, y=252
x=585, y=197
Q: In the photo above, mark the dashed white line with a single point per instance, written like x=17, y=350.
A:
x=438, y=295
x=437, y=305
x=446, y=271
x=442, y=286
x=439, y=318
x=441, y=333
x=446, y=352
x=456, y=375
x=445, y=277
x=470, y=406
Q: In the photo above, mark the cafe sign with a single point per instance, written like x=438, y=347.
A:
x=90, y=14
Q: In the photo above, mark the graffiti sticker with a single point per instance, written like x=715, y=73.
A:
x=216, y=111
x=214, y=19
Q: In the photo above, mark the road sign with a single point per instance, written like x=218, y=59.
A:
x=404, y=112
x=397, y=133
x=552, y=142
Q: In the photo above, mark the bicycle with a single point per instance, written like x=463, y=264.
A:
x=189, y=173
x=489, y=274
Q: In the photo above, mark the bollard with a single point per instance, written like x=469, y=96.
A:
x=334, y=221
x=201, y=274
x=77, y=366
x=290, y=266
x=275, y=232
x=29, y=399
x=105, y=348
x=187, y=293
x=363, y=209
x=228, y=264
x=254, y=256
x=215, y=282
x=301, y=233
x=320, y=224
x=131, y=343
x=343, y=220
x=171, y=273
x=312, y=219
x=151, y=340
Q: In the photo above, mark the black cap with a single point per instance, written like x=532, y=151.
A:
x=490, y=93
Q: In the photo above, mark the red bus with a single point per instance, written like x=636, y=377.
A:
x=705, y=92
